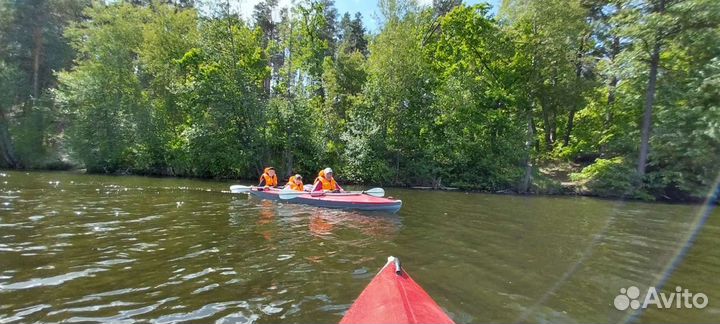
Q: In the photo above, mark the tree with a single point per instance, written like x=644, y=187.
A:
x=399, y=90
x=684, y=137
x=480, y=107
x=353, y=34
x=167, y=36
x=154, y=87
x=653, y=31
x=345, y=27
x=104, y=92
x=8, y=78
x=223, y=90
x=343, y=80
x=262, y=15
x=442, y=7
x=557, y=44
x=33, y=47
x=314, y=37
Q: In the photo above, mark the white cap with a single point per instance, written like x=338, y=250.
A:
x=327, y=170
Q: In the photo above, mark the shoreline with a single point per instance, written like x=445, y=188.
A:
x=567, y=190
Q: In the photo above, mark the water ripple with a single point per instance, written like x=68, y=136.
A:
x=83, y=248
x=51, y=281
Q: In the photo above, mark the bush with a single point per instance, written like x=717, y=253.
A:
x=609, y=178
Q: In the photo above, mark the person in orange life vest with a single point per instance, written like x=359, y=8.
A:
x=268, y=179
x=295, y=183
x=325, y=182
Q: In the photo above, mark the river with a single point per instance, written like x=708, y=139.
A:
x=76, y=248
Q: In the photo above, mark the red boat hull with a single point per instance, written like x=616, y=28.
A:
x=393, y=297
x=356, y=202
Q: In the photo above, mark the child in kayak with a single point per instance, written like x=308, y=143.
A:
x=268, y=179
x=295, y=183
x=325, y=182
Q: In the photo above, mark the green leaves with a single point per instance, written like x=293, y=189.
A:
x=439, y=96
x=609, y=178
x=155, y=93
x=104, y=91
x=223, y=90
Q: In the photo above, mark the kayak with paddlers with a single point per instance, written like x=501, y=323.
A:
x=325, y=192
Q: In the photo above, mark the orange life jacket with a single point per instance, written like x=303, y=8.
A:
x=269, y=181
x=296, y=185
x=326, y=184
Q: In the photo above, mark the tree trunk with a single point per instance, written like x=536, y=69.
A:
x=533, y=130
x=649, y=99
x=289, y=157
x=527, y=178
x=397, y=167
x=289, y=160
x=612, y=87
x=7, y=150
x=553, y=130
x=647, y=113
x=547, y=127
x=578, y=76
x=613, y=80
x=289, y=69
x=37, y=50
x=266, y=85
x=569, y=128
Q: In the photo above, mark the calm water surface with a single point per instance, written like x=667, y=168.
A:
x=79, y=248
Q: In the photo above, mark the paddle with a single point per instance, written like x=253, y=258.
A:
x=240, y=188
x=243, y=189
x=377, y=192
x=290, y=194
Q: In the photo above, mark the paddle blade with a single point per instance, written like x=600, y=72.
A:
x=240, y=189
x=288, y=193
x=377, y=192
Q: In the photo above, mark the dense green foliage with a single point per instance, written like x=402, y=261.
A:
x=608, y=177
x=445, y=95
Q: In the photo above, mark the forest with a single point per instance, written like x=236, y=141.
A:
x=614, y=98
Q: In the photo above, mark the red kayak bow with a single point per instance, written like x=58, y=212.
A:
x=393, y=297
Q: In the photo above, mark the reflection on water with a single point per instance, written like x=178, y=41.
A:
x=81, y=248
